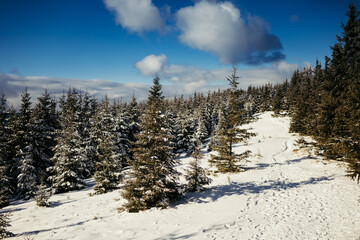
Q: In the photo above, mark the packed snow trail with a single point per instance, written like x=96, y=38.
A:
x=284, y=194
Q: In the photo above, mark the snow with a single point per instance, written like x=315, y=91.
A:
x=283, y=194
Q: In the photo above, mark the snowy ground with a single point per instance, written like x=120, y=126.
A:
x=284, y=194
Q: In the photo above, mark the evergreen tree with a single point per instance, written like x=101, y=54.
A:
x=11, y=148
x=5, y=190
x=121, y=137
x=153, y=179
x=4, y=224
x=134, y=118
x=44, y=120
x=202, y=131
x=26, y=150
x=38, y=138
x=107, y=173
x=109, y=152
x=195, y=174
x=43, y=195
x=69, y=161
x=69, y=157
x=228, y=132
x=87, y=113
x=27, y=178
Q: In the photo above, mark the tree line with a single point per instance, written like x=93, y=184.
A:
x=57, y=144
x=324, y=102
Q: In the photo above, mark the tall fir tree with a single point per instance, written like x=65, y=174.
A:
x=109, y=153
x=228, y=132
x=195, y=174
x=69, y=156
x=153, y=179
x=45, y=123
x=27, y=177
x=5, y=190
x=4, y=224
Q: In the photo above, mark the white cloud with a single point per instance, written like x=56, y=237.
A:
x=136, y=15
x=220, y=29
x=151, y=65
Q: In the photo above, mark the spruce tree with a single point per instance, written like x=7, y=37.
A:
x=87, y=113
x=11, y=147
x=202, y=129
x=69, y=156
x=4, y=224
x=228, y=132
x=195, y=174
x=44, y=120
x=109, y=152
x=134, y=118
x=5, y=190
x=26, y=150
x=43, y=195
x=153, y=179
x=27, y=178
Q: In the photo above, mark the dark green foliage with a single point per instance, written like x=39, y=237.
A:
x=109, y=153
x=153, y=181
x=325, y=102
x=69, y=155
x=42, y=196
x=45, y=124
x=4, y=191
x=4, y=224
x=5, y=188
x=195, y=174
x=230, y=117
x=26, y=150
x=107, y=173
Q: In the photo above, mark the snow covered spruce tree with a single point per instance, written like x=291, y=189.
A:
x=85, y=118
x=153, y=179
x=43, y=195
x=38, y=139
x=27, y=178
x=69, y=157
x=5, y=190
x=201, y=131
x=109, y=152
x=134, y=114
x=4, y=224
x=195, y=174
x=228, y=132
x=44, y=122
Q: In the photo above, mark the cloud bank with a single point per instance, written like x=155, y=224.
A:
x=181, y=79
x=220, y=29
x=187, y=79
x=136, y=15
x=176, y=80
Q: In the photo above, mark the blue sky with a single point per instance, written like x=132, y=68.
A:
x=104, y=45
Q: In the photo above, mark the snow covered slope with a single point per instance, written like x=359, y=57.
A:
x=284, y=194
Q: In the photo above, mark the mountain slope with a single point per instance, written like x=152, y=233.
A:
x=286, y=193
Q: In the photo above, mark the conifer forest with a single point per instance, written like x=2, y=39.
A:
x=50, y=146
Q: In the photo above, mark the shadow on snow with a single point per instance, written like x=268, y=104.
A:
x=260, y=166
x=214, y=193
